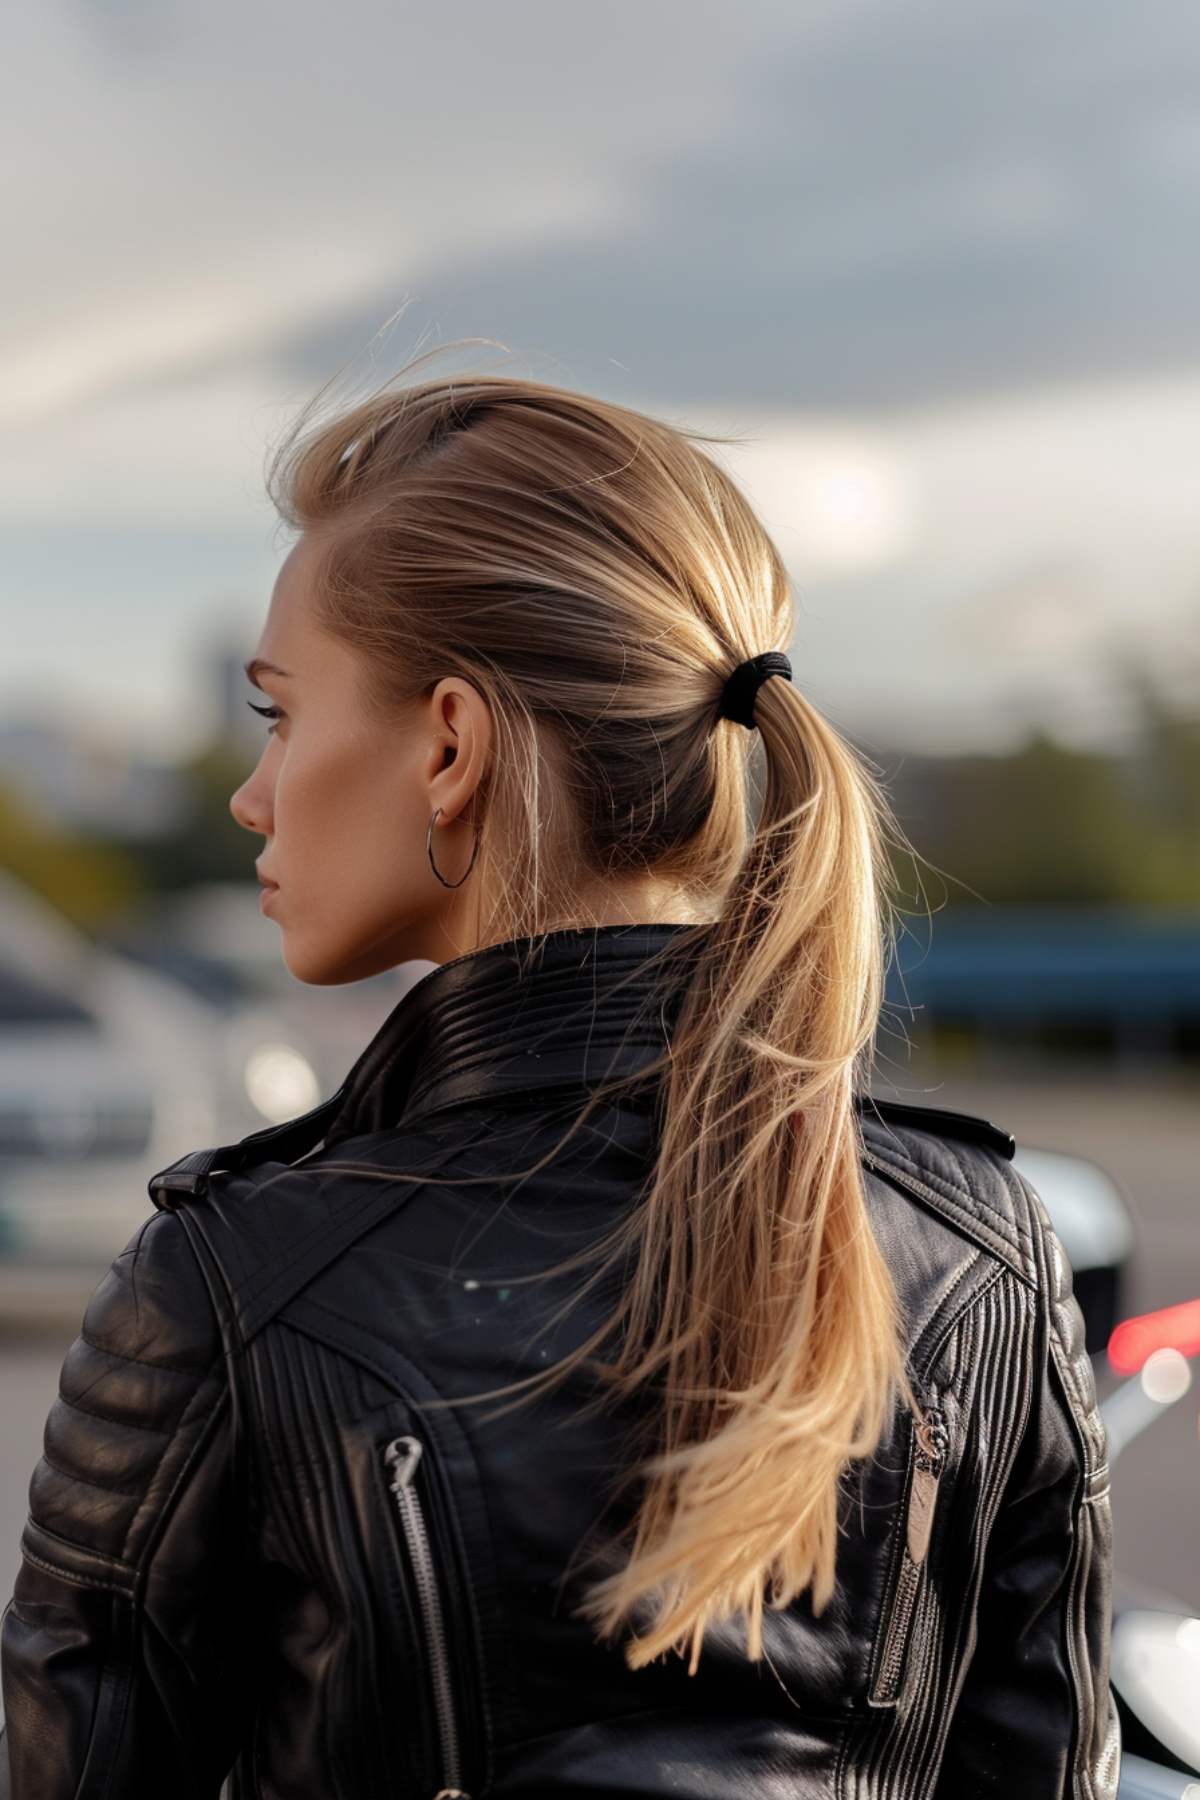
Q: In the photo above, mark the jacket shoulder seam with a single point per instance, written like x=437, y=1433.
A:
x=963, y=1209
x=955, y=1306
x=260, y=1290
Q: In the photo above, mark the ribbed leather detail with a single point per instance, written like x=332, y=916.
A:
x=541, y=1014
x=212, y=1575
x=985, y=1395
x=134, y=1391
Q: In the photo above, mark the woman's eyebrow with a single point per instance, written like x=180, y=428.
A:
x=259, y=665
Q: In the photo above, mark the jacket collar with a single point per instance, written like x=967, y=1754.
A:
x=565, y=1010
x=541, y=1015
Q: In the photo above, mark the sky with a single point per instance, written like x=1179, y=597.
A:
x=935, y=266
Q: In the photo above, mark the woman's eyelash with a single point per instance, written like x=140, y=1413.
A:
x=268, y=712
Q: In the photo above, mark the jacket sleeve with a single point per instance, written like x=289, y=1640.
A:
x=1036, y=1715
x=120, y=1647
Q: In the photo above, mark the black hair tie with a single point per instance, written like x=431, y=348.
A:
x=737, y=698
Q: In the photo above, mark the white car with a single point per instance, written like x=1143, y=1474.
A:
x=108, y=1070
x=1090, y=1217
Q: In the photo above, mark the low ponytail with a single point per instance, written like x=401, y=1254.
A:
x=775, y=1333
x=597, y=575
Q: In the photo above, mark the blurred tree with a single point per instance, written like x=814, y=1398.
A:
x=1047, y=823
x=1051, y=824
x=1164, y=777
x=89, y=879
x=207, y=844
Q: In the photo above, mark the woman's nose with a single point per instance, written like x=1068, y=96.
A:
x=249, y=807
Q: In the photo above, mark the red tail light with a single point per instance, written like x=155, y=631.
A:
x=1170, y=1328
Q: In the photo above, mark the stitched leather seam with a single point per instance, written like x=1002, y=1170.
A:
x=977, y=1230
x=486, y=1687
x=198, y=1446
x=349, y=1215
x=356, y=1353
x=90, y=1412
x=143, y=1362
x=83, y=1581
x=327, y=1226
x=1066, y=1360
x=950, y=1324
x=966, y=1219
x=76, y=1548
x=1009, y=1228
x=985, y=1424
x=1080, y=1570
x=118, y=1681
x=105, y=1487
x=1078, y=1409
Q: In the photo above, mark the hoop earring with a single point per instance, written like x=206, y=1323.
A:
x=433, y=865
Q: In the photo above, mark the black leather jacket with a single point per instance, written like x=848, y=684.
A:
x=253, y=1546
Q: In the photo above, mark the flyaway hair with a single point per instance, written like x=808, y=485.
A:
x=597, y=575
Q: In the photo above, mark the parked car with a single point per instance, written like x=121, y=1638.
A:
x=109, y=1067
x=214, y=941
x=1092, y=1220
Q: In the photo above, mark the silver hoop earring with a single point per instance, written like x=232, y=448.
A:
x=433, y=865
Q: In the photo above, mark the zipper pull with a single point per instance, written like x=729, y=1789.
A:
x=927, y=1472
x=402, y=1455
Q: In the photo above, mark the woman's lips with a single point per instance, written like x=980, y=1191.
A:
x=267, y=895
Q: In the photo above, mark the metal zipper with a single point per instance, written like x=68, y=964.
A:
x=402, y=1456
x=928, y=1459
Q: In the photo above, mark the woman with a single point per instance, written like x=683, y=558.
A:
x=599, y=1394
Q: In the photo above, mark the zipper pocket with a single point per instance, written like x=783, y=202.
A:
x=401, y=1458
x=927, y=1457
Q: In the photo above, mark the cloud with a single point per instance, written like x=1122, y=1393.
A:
x=957, y=569
x=901, y=205
x=938, y=263
x=1036, y=542
x=850, y=205
x=199, y=181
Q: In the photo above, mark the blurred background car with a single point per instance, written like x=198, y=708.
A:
x=287, y=1045
x=112, y=1063
x=1089, y=1213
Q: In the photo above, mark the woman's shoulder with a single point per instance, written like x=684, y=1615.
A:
x=957, y=1170
x=263, y=1228
x=967, y=1196
x=139, y=1381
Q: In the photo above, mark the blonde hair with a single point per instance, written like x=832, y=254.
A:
x=598, y=576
